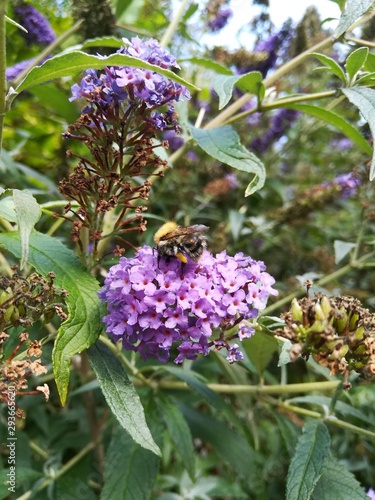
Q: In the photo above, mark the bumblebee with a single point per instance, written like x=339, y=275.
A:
x=172, y=240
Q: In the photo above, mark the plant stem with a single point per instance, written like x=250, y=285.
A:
x=172, y=28
x=256, y=389
x=3, y=5
x=47, y=51
x=282, y=102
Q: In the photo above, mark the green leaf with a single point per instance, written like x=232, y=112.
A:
x=260, y=349
x=354, y=9
x=249, y=83
x=331, y=64
x=370, y=63
x=284, y=357
x=75, y=62
x=364, y=99
x=223, y=144
x=84, y=324
x=337, y=121
x=194, y=381
x=179, y=431
x=121, y=395
x=355, y=61
x=338, y=483
x=307, y=464
x=230, y=446
x=208, y=64
x=7, y=210
x=56, y=100
x=342, y=249
x=103, y=41
x=130, y=470
x=28, y=213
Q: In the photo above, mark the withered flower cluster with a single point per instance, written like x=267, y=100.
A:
x=336, y=331
x=126, y=108
x=23, y=301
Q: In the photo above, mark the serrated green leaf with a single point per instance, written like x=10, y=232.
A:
x=337, y=121
x=331, y=64
x=135, y=472
x=223, y=144
x=354, y=9
x=355, y=61
x=84, y=324
x=307, y=464
x=249, y=83
x=179, y=431
x=121, y=395
x=28, y=213
x=338, y=483
x=208, y=64
x=75, y=62
x=342, y=249
x=260, y=349
x=364, y=99
x=228, y=444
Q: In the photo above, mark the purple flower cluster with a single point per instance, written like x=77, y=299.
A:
x=136, y=85
x=278, y=127
x=347, y=183
x=38, y=28
x=153, y=305
x=12, y=72
x=222, y=17
x=268, y=51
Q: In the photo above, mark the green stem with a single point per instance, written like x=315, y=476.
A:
x=282, y=103
x=256, y=389
x=3, y=83
x=268, y=82
x=330, y=419
x=60, y=472
x=47, y=51
x=172, y=28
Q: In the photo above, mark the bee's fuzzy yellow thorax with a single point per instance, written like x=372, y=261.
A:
x=166, y=228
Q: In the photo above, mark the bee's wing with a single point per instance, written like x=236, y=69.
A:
x=184, y=230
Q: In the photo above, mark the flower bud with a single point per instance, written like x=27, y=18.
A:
x=297, y=311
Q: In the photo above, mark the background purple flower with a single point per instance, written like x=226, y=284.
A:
x=348, y=183
x=168, y=304
x=38, y=28
x=222, y=17
x=279, y=125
